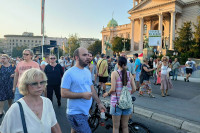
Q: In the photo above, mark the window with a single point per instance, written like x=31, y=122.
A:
x=39, y=41
x=35, y=41
x=24, y=40
x=145, y=29
x=13, y=44
x=16, y=44
x=16, y=40
x=10, y=40
x=32, y=40
x=28, y=40
x=13, y=40
x=20, y=40
x=128, y=36
x=10, y=43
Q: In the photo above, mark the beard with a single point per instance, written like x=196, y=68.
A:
x=82, y=63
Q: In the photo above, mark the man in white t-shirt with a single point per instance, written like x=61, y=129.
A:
x=189, y=68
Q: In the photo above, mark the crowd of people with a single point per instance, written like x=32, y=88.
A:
x=24, y=81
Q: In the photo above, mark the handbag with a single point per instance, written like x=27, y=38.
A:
x=125, y=100
x=22, y=117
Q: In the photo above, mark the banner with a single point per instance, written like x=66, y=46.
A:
x=42, y=16
x=155, y=37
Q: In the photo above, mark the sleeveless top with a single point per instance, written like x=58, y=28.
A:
x=164, y=69
x=118, y=88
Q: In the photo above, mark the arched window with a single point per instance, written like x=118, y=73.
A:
x=145, y=29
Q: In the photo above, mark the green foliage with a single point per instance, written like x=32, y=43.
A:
x=73, y=44
x=185, y=44
x=1, y=50
x=118, y=45
x=17, y=51
x=95, y=48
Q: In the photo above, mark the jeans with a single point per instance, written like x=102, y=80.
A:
x=18, y=95
x=175, y=73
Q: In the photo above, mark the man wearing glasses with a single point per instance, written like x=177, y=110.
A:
x=22, y=66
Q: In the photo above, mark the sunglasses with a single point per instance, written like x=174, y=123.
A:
x=35, y=84
x=25, y=54
x=52, y=58
x=3, y=58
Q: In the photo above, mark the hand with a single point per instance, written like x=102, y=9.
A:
x=13, y=90
x=87, y=95
x=105, y=94
x=101, y=107
x=12, y=75
x=101, y=75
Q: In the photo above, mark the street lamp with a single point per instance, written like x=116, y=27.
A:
x=124, y=41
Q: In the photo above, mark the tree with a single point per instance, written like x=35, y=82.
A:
x=196, y=47
x=95, y=48
x=73, y=44
x=1, y=50
x=118, y=45
x=17, y=51
x=184, y=41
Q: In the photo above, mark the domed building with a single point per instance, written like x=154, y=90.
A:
x=165, y=15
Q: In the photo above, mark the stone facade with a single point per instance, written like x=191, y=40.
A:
x=29, y=40
x=164, y=15
x=86, y=42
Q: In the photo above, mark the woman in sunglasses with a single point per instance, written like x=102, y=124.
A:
x=166, y=83
x=54, y=74
x=38, y=111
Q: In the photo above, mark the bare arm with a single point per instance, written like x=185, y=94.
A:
x=136, y=67
x=56, y=129
x=147, y=70
x=15, y=81
x=43, y=67
x=66, y=93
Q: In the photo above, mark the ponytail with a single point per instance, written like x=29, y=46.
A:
x=124, y=76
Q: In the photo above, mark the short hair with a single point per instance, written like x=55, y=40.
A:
x=30, y=51
x=145, y=59
x=53, y=55
x=5, y=55
x=28, y=77
x=90, y=53
x=165, y=58
x=102, y=55
x=76, y=53
x=136, y=54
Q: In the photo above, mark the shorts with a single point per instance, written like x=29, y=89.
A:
x=18, y=95
x=79, y=123
x=120, y=111
x=188, y=70
x=137, y=76
x=103, y=79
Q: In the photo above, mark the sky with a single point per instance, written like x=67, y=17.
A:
x=62, y=17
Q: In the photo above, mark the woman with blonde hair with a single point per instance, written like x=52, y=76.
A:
x=38, y=111
x=6, y=82
x=166, y=83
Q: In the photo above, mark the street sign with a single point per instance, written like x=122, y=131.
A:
x=155, y=38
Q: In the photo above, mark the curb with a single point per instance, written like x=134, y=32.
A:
x=185, y=125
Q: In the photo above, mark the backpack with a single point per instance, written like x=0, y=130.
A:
x=125, y=100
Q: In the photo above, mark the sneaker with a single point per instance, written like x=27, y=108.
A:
x=188, y=80
x=152, y=96
x=185, y=79
x=59, y=103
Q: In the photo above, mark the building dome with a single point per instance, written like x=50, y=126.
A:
x=112, y=23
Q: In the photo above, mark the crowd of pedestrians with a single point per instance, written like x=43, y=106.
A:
x=26, y=79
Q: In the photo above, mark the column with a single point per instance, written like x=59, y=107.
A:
x=132, y=34
x=133, y=3
x=141, y=34
x=139, y=1
x=172, y=30
x=161, y=29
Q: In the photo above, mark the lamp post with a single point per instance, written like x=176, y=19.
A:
x=124, y=41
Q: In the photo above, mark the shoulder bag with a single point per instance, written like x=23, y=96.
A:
x=22, y=117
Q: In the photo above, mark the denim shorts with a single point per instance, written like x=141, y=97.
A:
x=137, y=76
x=120, y=111
x=18, y=95
x=79, y=123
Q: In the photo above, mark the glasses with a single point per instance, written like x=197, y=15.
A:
x=25, y=54
x=3, y=58
x=52, y=58
x=35, y=84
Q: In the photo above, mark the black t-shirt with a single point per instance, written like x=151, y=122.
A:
x=54, y=74
x=144, y=73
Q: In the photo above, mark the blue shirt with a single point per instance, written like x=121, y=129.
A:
x=137, y=62
x=78, y=81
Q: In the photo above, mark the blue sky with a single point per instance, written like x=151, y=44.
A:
x=62, y=17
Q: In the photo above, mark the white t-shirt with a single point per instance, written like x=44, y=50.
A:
x=190, y=64
x=12, y=121
x=61, y=62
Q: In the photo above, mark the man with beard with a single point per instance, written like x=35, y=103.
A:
x=91, y=67
x=77, y=87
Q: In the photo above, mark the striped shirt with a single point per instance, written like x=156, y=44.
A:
x=119, y=87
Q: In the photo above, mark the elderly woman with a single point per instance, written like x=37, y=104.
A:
x=38, y=111
x=144, y=79
x=166, y=83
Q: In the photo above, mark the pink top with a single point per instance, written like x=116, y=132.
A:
x=119, y=87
